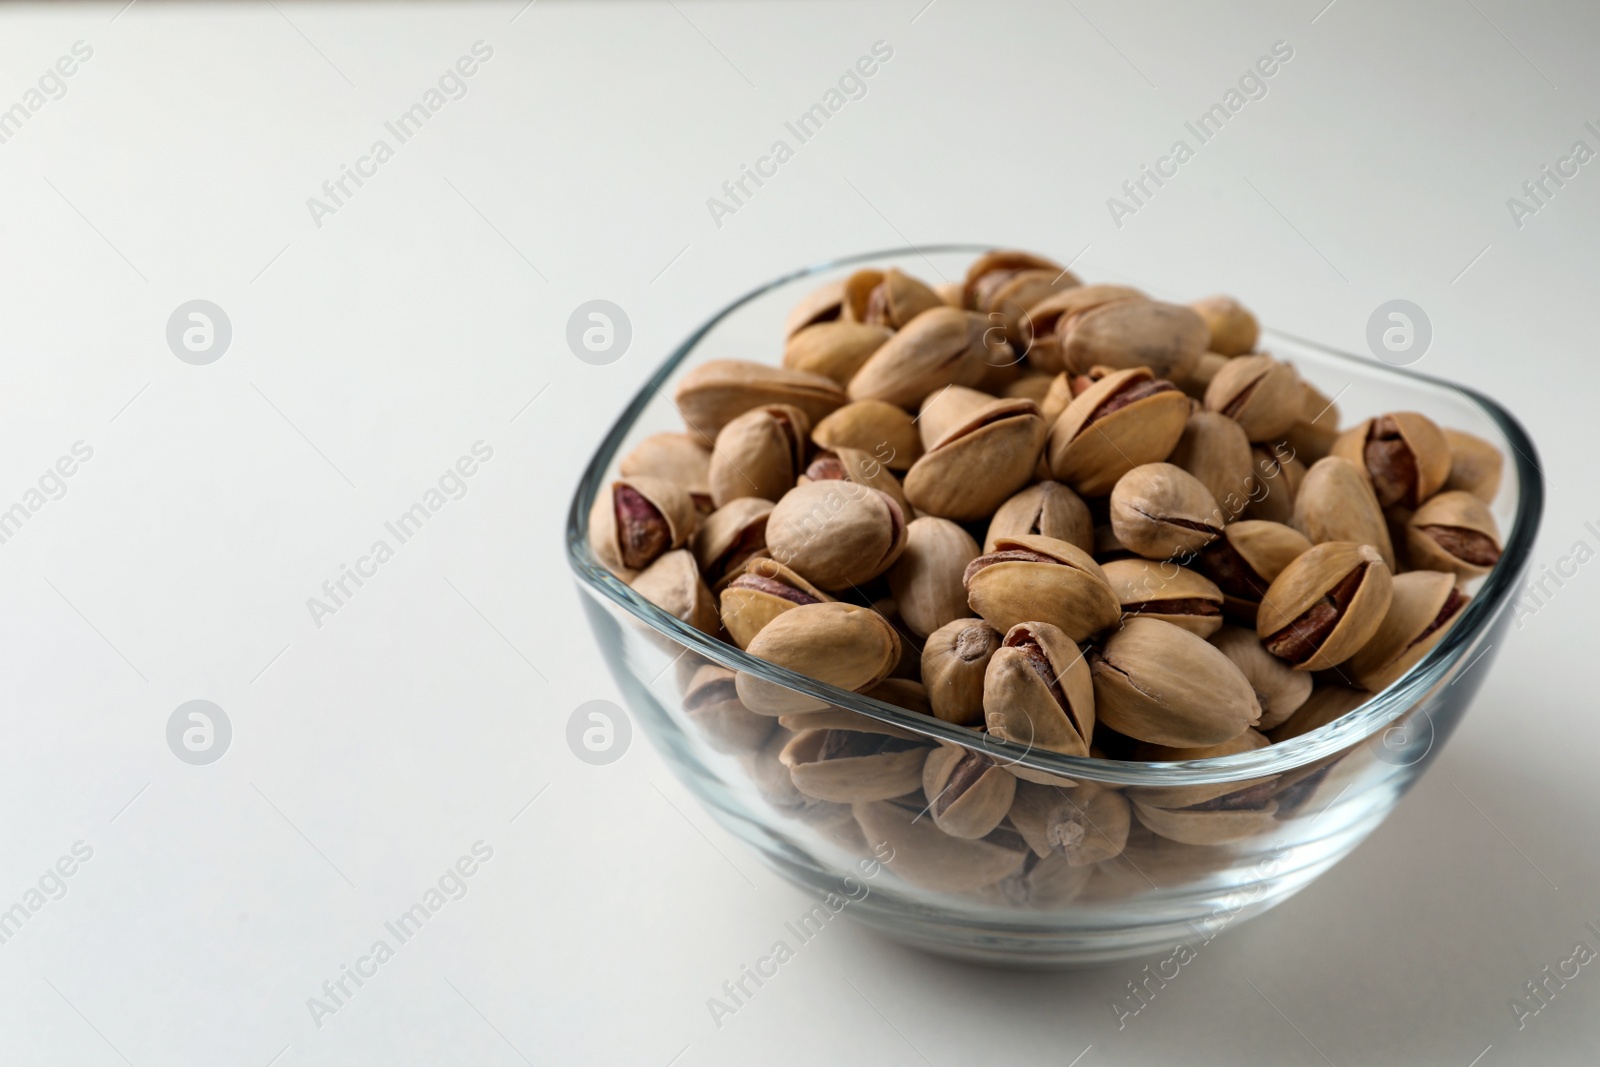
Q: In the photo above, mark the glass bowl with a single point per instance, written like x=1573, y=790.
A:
x=1289, y=811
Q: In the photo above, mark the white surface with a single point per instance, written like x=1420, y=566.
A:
x=431, y=308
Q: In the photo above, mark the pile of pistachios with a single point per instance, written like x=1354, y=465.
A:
x=1069, y=517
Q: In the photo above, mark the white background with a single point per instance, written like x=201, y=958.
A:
x=372, y=351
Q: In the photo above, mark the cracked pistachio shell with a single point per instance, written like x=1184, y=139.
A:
x=1309, y=584
x=884, y=430
x=1041, y=884
x=926, y=856
x=1325, y=704
x=836, y=533
x=834, y=350
x=1048, y=509
x=1010, y=295
x=1314, y=432
x=926, y=579
x=759, y=593
x=715, y=393
x=1215, y=450
x=970, y=792
x=1199, y=379
x=1246, y=558
x=676, y=457
x=1404, y=454
x=1087, y=825
x=954, y=660
x=951, y=294
x=1424, y=605
x=1101, y=435
x=673, y=584
x=634, y=520
x=1455, y=532
x=823, y=304
x=857, y=466
x=947, y=409
x=1157, y=682
x=1183, y=796
x=843, y=645
x=731, y=535
x=1056, y=398
x=1278, y=476
x=759, y=454
x=1032, y=386
x=1190, y=827
x=1166, y=338
x=1260, y=393
x=1279, y=688
x=1040, y=579
x=889, y=298
x=1475, y=465
x=1233, y=329
x=772, y=781
x=1167, y=592
x=1037, y=692
x=1046, y=316
x=1161, y=511
x=846, y=778
x=711, y=702
x=902, y=693
x=1335, y=502
x=993, y=271
x=970, y=471
x=942, y=346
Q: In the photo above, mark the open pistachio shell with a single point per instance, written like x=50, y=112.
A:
x=885, y=431
x=968, y=792
x=1336, y=503
x=836, y=533
x=823, y=304
x=675, y=457
x=1046, y=509
x=1475, y=465
x=954, y=662
x=846, y=766
x=1167, y=338
x=1085, y=825
x=1203, y=827
x=1174, y=797
x=1161, y=511
x=1042, y=883
x=1277, y=476
x=1404, y=454
x=1046, y=316
x=843, y=645
x=759, y=454
x=1325, y=704
x=942, y=346
x=834, y=350
x=994, y=271
x=1421, y=611
x=715, y=393
x=1280, y=689
x=924, y=855
x=1199, y=379
x=730, y=535
x=1037, y=692
x=1167, y=592
x=1233, y=330
x=1216, y=451
x=634, y=520
x=858, y=466
x=673, y=584
x=711, y=702
x=759, y=593
x=902, y=692
x=926, y=579
x=979, y=462
x=1244, y=561
x=1455, y=532
x=1126, y=418
x=1040, y=579
x=1262, y=394
x=1325, y=605
x=889, y=298
x=1157, y=682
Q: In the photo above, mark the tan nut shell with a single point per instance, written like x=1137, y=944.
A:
x=711, y=703
x=1418, y=598
x=863, y=468
x=977, y=464
x=1157, y=682
x=1071, y=593
x=1086, y=825
x=1310, y=578
x=1453, y=508
x=889, y=298
x=669, y=498
x=1280, y=689
x=926, y=579
x=1090, y=458
x=1199, y=378
x=822, y=304
x=673, y=584
x=1011, y=300
x=1233, y=329
x=851, y=778
x=926, y=856
x=1161, y=511
x=1153, y=585
x=726, y=533
x=883, y=430
x=834, y=350
x=978, y=809
x=1019, y=708
x=715, y=393
x=836, y=533
x=1167, y=338
x=843, y=645
x=1183, y=796
x=1206, y=827
x=1047, y=316
x=1475, y=465
x=1215, y=450
x=1270, y=392
x=676, y=457
x=1048, y=509
x=1278, y=477
x=1422, y=436
x=1325, y=704
x=759, y=454
x=942, y=346
x=744, y=612
x=955, y=659
x=1336, y=503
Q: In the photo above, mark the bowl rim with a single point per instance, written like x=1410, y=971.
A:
x=1336, y=736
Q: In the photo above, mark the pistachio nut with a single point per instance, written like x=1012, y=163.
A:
x=942, y=346
x=1161, y=511
x=1258, y=392
x=673, y=584
x=711, y=702
x=1047, y=509
x=1041, y=883
x=1244, y=561
x=968, y=793
x=1199, y=379
x=1127, y=418
x=761, y=591
x=955, y=659
x=1008, y=303
x=634, y=520
x=980, y=461
x=1086, y=825
x=1226, y=819
x=1215, y=450
x=1167, y=592
x=1029, y=578
x=947, y=409
x=889, y=298
x=715, y=393
x=1233, y=330
x=1176, y=797
x=771, y=778
x=731, y=535
x=1056, y=398
x=857, y=466
x=1279, y=688
x=1032, y=386
x=1325, y=605
x=1455, y=532
x=926, y=856
x=1424, y=606
x=875, y=762
x=834, y=350
x=951, y=294
x=1278, y=475
x=902, y=693
x=1475, y=465
x=885, y=431
x=994, y=271
x=926, y=579
x=836, y=533
x=1325, y=704
x=1313, y=434
x=1404, y=454
x=676, y=457
x=1037, y=692
x=1045, y=319
x=843, y=645
x=1157, y=682
x=1166, y=338
x=823, y=304
x=1336, y=503
x=759, y=454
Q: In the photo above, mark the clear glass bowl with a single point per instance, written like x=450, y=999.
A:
x=886, y=865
